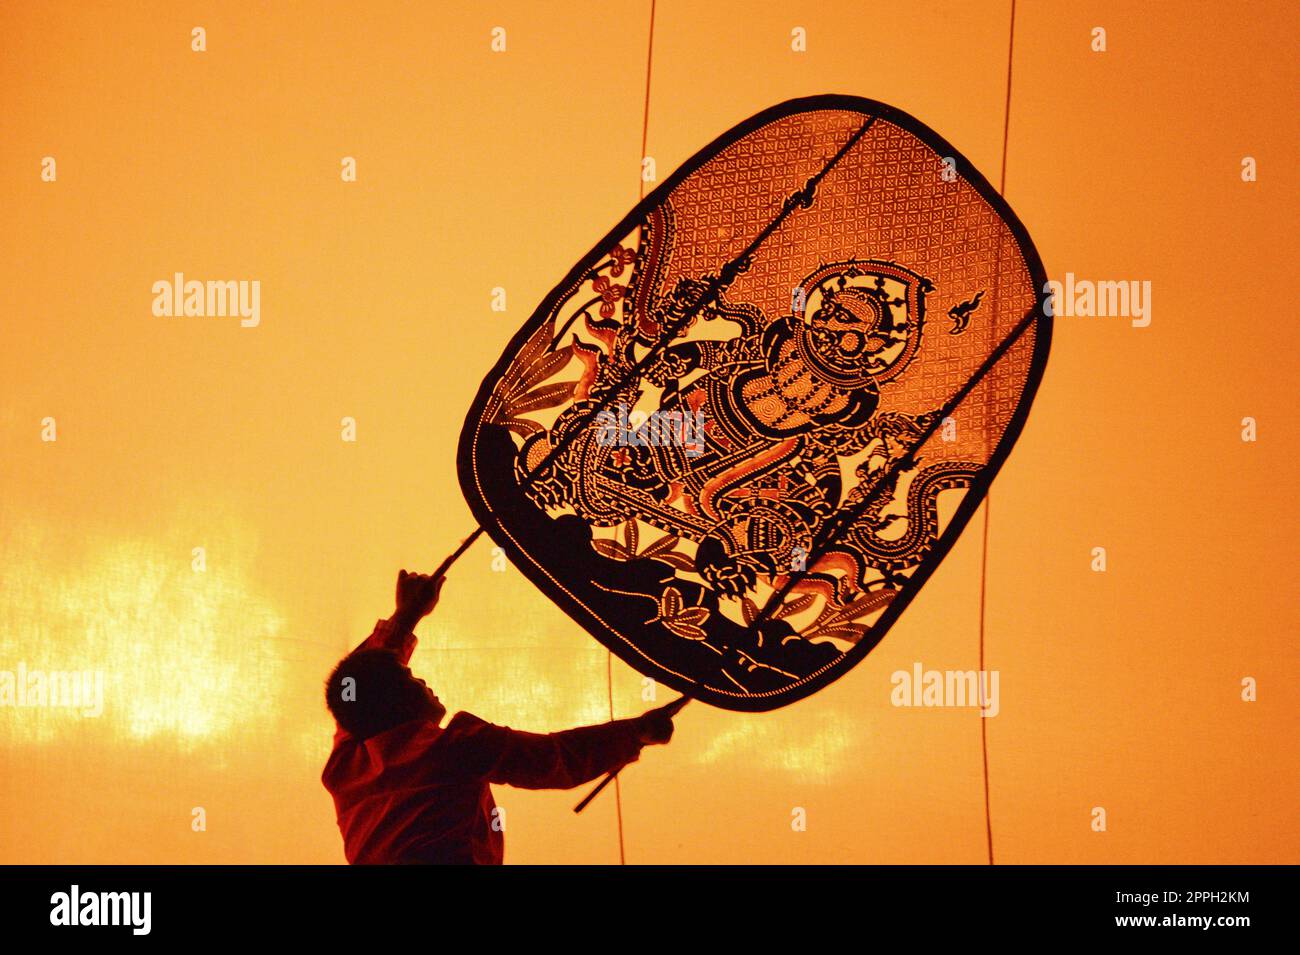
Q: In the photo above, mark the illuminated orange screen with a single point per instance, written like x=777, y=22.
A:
x=181, y=514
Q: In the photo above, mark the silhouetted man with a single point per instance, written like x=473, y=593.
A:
x=408, y=790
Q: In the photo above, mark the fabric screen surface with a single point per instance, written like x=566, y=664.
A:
x=481, y=178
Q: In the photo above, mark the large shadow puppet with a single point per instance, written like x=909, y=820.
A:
x=744, y=361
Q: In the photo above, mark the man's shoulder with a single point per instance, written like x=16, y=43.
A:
x=472, y=745
x=464, y=722
x=468, y=730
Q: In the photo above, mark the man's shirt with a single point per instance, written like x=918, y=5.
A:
x=421, y=793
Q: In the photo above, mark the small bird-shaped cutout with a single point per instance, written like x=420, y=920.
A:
x=960, y=314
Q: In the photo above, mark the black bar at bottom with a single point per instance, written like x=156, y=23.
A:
x=988, y=905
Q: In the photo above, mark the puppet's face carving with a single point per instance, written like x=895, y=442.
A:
x=673, y=432
x=865, y=320
x=843, y=331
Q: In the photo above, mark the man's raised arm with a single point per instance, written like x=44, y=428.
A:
x=416, y=596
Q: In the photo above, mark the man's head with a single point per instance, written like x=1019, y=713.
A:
x=371, y=691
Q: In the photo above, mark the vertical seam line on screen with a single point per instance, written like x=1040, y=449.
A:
x=609, y=654
x=618, y=796
x=645, y=112
x=988, y=495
